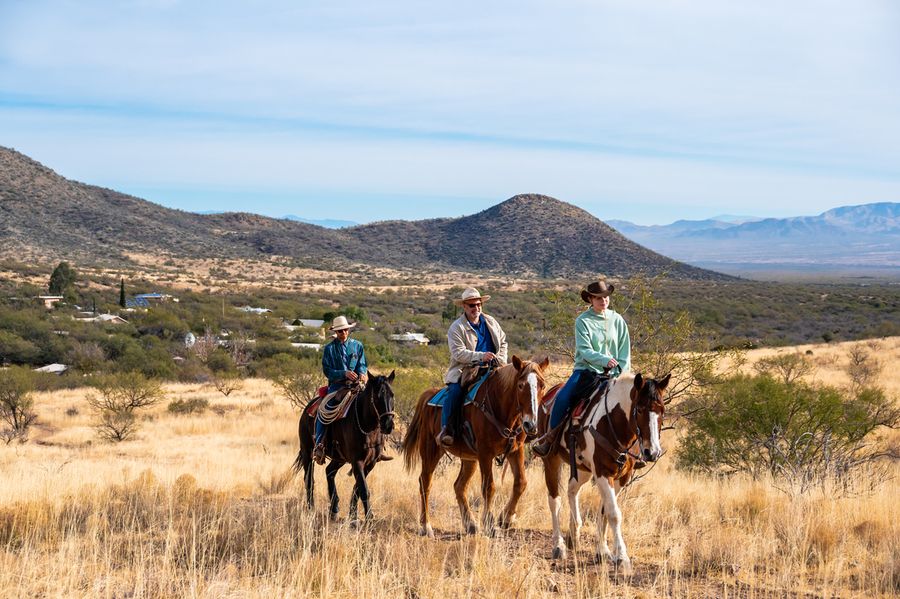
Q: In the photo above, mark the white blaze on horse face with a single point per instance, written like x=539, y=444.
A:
x=655, y=446
x=533, y=388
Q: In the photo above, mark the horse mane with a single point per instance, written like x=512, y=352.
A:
x=506, y=375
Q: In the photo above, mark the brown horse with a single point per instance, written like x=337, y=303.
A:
x=503, y=414
x=357, y=439
x=620, y=427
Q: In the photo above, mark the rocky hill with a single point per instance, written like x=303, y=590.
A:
x=45, y=217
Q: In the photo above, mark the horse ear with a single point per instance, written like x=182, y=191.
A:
x=663, y=382
x=517, y=362
x=390, y=377
x=543, y=364
x=638, y=381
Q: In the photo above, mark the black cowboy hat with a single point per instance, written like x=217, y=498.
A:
x=598, y=288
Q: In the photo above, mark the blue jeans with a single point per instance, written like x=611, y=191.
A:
x=320, y=426
x=580, y=383
x=451, y=401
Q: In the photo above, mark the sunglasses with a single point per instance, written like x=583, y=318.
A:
x=474, y=305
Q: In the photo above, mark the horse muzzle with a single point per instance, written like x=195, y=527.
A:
x=529, y=427
x=387, y=424
x=648, y=455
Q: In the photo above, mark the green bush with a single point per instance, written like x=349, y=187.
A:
x=800, y=434
x=16, y=402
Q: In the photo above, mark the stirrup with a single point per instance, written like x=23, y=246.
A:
x=544, y=445
x=444, y=438
x=319, y=453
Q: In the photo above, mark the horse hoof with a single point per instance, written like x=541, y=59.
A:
x=472, y=528
x=623, y=566
x=559, y=553
x=507, y=522
x=427, y=531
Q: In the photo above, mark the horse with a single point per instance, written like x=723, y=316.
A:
x=357, y=439
x=503, y=414
x=628, y=412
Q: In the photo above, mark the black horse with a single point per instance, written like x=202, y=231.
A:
x=357, y=439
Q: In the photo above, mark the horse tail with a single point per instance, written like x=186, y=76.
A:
x=412, y=439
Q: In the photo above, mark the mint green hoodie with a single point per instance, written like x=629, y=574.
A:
x=600, y=337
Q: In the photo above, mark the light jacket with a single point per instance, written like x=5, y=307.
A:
x=335, y=369
x=462, y=340
x=600, y=337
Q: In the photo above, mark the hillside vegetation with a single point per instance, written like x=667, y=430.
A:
x=44, y=217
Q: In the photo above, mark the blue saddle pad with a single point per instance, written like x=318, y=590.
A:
x=438, y=399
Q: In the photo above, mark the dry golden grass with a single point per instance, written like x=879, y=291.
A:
x=200, y=506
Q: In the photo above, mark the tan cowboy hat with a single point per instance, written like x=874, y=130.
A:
x=598, y=288
x=340, y=323
x=469, y=294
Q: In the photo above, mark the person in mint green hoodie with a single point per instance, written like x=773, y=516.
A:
x=602, y=350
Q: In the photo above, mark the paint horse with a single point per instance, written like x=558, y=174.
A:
x=619, y=427
x=503, y=413
x=357, y=439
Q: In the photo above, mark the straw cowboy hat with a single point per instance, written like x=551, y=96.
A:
x=469, y=294
x=598, y=288
x=340, y=323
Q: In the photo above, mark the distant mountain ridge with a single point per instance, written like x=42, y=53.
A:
x=866, y=235
x=45, y=217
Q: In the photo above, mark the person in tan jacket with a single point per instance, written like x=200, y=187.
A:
x=474, y=337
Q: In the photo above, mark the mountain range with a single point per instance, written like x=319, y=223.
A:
x=861, y=238
x=45, y=218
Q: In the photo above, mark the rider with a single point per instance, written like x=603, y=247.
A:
x=602, y=348
x=344, y=363
x=473, y=337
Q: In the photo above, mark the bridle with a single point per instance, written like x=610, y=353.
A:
x=378, y=415
x=632, y=421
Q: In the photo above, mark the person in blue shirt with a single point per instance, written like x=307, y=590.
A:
x=344, y=364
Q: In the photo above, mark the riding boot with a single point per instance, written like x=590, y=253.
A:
x=545, y=444
x=444, y=438
x=319, y=453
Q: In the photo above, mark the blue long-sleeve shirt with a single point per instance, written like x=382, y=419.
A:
x=338, y=358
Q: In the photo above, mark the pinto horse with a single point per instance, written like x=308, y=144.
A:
x=503, y=414
x=620, y=426
x=357, y=439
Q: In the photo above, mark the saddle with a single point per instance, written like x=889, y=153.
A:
x=342, y=400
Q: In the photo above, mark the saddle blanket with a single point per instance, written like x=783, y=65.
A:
x=439, y=397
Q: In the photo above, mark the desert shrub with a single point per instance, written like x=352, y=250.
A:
x=228, y=382
x=117, y=399
x=788, y=367
x=802, y=435
x=16, y=402
x=16, y=350
x=87, y=357
x=194, y=405
x=220, y=361
x=409, y=384
x=297, y=379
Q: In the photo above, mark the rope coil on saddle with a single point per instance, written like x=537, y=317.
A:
x=328, y=414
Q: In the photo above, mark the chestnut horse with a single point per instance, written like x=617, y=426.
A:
x=357, y=439
x=619, y=427
x=503, y=414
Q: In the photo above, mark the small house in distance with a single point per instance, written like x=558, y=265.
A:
x=410, y=338
x=49, y=300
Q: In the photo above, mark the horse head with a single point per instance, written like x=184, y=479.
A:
x=648, y=407
x=383, y=401
x=529, y=390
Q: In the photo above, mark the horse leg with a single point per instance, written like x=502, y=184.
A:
x=466, y=470
x=330, y=472
x=551, y=478
x=309, y=477
x=575, y=520
x=517, y=465
x=360, y=491
x=430, y=456
x=486, y=465
x=614, y=515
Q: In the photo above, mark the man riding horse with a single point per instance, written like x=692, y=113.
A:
x=474, y=337
x=344, y=364
x=602, y=350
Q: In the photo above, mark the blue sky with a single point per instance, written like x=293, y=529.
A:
x=635, y=110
